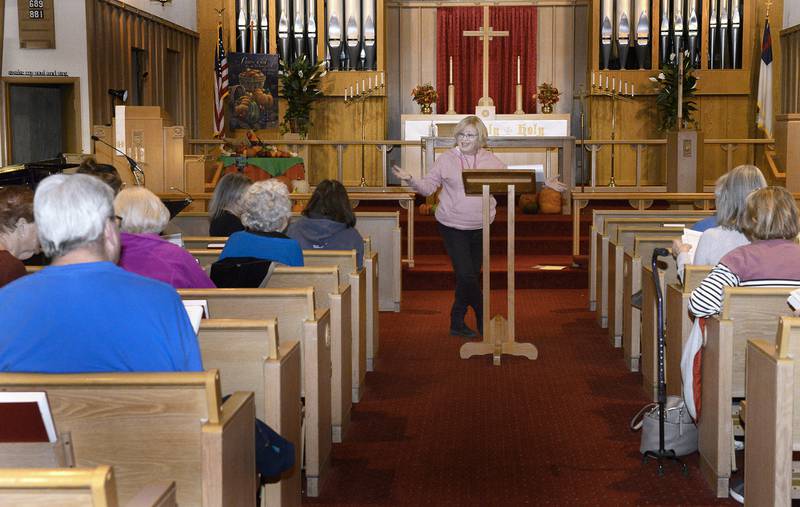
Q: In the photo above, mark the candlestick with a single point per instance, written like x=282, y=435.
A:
x=606, y=81
x=632, y=93
x=518, y=66
x=357, y=88
x=451, y=70
x=613, y=84
x=382, y=79
x=626, y=88
x=351, y=92
x=592, y=78
x=620, y=86
x=680, y=89
x=369, y=81
x=364, y=85
x=345, y=94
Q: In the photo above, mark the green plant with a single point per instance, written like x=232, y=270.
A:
x=424, y=95
x=548, y=94
x=300, y=82
x=666, y=85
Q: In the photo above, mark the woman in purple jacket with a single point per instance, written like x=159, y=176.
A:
x=460, y=216
x=144, y=252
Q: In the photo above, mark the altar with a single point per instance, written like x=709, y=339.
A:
x=417, y=126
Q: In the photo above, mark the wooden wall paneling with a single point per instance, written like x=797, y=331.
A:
x=116, y=29
x=545, y=45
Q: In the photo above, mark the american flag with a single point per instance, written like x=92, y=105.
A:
x=220, y=85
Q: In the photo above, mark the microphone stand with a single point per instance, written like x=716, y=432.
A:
x=138, y=174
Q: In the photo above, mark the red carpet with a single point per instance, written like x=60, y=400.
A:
x=433, y=429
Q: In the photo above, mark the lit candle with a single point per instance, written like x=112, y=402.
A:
x=518, y=66
x=632, y=93
x=345, y=94
x=620, y=86
x=351, y=92
x=382, y=83
x=613, y=84
x=606, y=81
x=593, y=78
x=357, y=88
x=451, y=71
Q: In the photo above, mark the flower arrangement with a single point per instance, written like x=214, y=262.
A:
x=425, y=95
x=547, y=97
x=252, y=146
x=666, y=85
x=300, y=82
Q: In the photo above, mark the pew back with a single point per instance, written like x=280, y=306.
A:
x=156, y=426
x=250, y=357
x=74, y=487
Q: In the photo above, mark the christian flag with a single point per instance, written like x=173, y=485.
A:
x=764, y=100
x=220, y=85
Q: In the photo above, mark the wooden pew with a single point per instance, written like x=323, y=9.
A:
x=75, y=487
x=204, y=242
x=598, y=266
x=298, y=320
x=602, y=220
x=678, y=323
x=329, y=294
x=349, y=273
x=771, y=388
x=622, y=242
x=636, y=350
x=383, y=227
x=383, y=230
x=755, y=313
x=250, y=356
x=156, y=426
x=365, y=292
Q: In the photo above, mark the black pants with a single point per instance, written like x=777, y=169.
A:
x=465, y=249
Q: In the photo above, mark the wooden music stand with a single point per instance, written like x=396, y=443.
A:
x=498, y=334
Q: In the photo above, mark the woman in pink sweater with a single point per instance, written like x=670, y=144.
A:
x=460, y=216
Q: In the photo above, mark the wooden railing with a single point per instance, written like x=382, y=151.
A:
x=209, y=149
x=594, y=146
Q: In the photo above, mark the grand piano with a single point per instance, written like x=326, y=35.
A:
x=32, y=173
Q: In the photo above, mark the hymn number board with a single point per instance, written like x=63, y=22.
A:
x=36, y=24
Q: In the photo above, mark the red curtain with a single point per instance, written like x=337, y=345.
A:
x=467, y=54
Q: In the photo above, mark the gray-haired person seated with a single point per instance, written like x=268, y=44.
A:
x=267, y=209
x=83, y=313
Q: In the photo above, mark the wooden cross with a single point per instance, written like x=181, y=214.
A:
x=486, y=100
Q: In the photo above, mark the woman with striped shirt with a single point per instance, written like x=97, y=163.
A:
x=772, y=259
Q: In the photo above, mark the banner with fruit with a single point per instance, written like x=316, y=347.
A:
x=253, y=91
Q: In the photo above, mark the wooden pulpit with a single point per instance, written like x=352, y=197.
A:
x=498, y=333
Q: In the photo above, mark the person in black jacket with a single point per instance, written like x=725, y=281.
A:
x=328, y=222
x=226, y=205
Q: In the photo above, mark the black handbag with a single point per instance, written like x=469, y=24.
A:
x=239, y=272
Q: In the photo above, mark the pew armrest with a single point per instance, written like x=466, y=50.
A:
x=229, y=466
x=715, y=427
x=155, y=495
x=768, y=453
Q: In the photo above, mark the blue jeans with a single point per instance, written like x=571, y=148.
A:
x=465, y=249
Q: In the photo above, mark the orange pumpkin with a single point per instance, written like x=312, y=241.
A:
x=525, y=199
x=549, y=201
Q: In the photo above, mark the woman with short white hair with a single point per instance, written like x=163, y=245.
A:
x=265, y=216
x=144, y=252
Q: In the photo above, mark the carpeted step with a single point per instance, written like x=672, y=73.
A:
x=536, y=245
x=433, y=272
